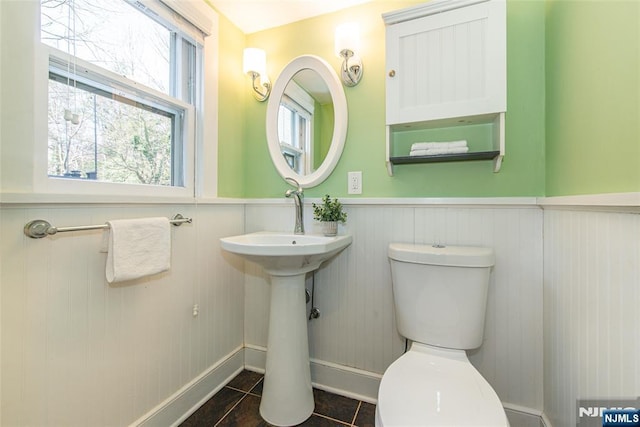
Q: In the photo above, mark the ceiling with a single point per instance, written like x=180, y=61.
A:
x=256, y=15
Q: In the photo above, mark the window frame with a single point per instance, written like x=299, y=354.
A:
x=301, y=104
x=102, y=80
x=24, y=80
x=300, y=154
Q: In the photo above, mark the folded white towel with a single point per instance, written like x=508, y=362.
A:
x=137, y=248
x=439, y=145
x=437, y=151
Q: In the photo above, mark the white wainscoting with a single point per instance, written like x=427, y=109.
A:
x=76, y=351
x=356, y=328
x=591, y=309
x=79, y=352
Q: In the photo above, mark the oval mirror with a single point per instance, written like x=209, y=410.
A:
x=306, y=120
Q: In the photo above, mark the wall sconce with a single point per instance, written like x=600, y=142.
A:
x=254, y=63
x=347, y=42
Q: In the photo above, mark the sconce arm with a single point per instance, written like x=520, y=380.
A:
x=352, y=69
x=261, y=90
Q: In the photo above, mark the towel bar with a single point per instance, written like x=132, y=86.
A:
x=39, y=228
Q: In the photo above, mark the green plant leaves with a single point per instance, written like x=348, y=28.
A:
x=329, y=210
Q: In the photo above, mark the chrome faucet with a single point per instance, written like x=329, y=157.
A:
x=298, y=198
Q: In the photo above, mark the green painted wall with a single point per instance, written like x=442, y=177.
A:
x=593, y=97
x=522, y=173
x=324, y=128
x=232, y=101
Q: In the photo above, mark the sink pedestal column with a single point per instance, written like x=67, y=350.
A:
x=287, y=396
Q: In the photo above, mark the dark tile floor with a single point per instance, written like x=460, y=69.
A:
x=237, y=404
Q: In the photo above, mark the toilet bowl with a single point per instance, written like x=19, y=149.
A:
x=429, y=386
x=440, y=295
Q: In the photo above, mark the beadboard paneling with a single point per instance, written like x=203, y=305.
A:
x=77, y=351
x=511, y=354
x=353, y=291
x=357, y=325
x=591, y=316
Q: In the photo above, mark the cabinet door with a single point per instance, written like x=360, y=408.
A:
x=449, y=64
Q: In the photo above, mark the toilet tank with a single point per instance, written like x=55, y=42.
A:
x=440, y=293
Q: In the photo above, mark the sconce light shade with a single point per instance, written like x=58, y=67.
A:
x=254, y=60
x=347, y=37
x=347, y=43
x=254, y=63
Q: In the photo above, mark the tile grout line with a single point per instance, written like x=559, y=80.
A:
x=244, y=391
x=355, y=416
x=237, y=389
x=335, y=420
x=249, y=393
x=244, y=395
x=254, y=386
x=233, y=407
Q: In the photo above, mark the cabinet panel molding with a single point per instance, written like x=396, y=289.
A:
x=446, y=62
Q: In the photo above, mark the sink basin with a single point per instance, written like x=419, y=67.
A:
x=285, y=254
x=287, y=395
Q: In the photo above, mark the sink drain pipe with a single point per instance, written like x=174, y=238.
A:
x=315, y=311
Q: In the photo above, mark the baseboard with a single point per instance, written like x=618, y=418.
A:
x=179, y=406
x=255, y=358
x=343, y=380
x=363, y=385
x=546, y=422
x=521, y=416
x=350, y=382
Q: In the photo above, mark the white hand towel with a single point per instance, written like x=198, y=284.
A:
x=138, y=248
x=439, y=145
x=438, y=151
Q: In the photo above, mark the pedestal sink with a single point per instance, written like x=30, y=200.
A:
x=287, y=395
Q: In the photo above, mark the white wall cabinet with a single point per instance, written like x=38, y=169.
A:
x=446, y=66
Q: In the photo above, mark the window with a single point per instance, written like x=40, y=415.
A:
x=294, y=131
x=295, y=128
x=124, y=83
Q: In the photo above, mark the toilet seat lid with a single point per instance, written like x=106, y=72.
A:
x=431, y=387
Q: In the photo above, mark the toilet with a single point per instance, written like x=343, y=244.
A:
x=440, y=295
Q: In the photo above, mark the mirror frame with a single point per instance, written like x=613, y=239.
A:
x=341, y=120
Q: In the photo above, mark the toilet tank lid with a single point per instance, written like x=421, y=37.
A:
x=453, y=256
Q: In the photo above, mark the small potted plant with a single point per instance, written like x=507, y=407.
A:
x=329, y=213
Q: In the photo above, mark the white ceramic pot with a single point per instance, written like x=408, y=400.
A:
x=330, y=228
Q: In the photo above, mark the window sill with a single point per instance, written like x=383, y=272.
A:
x=79, y=199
